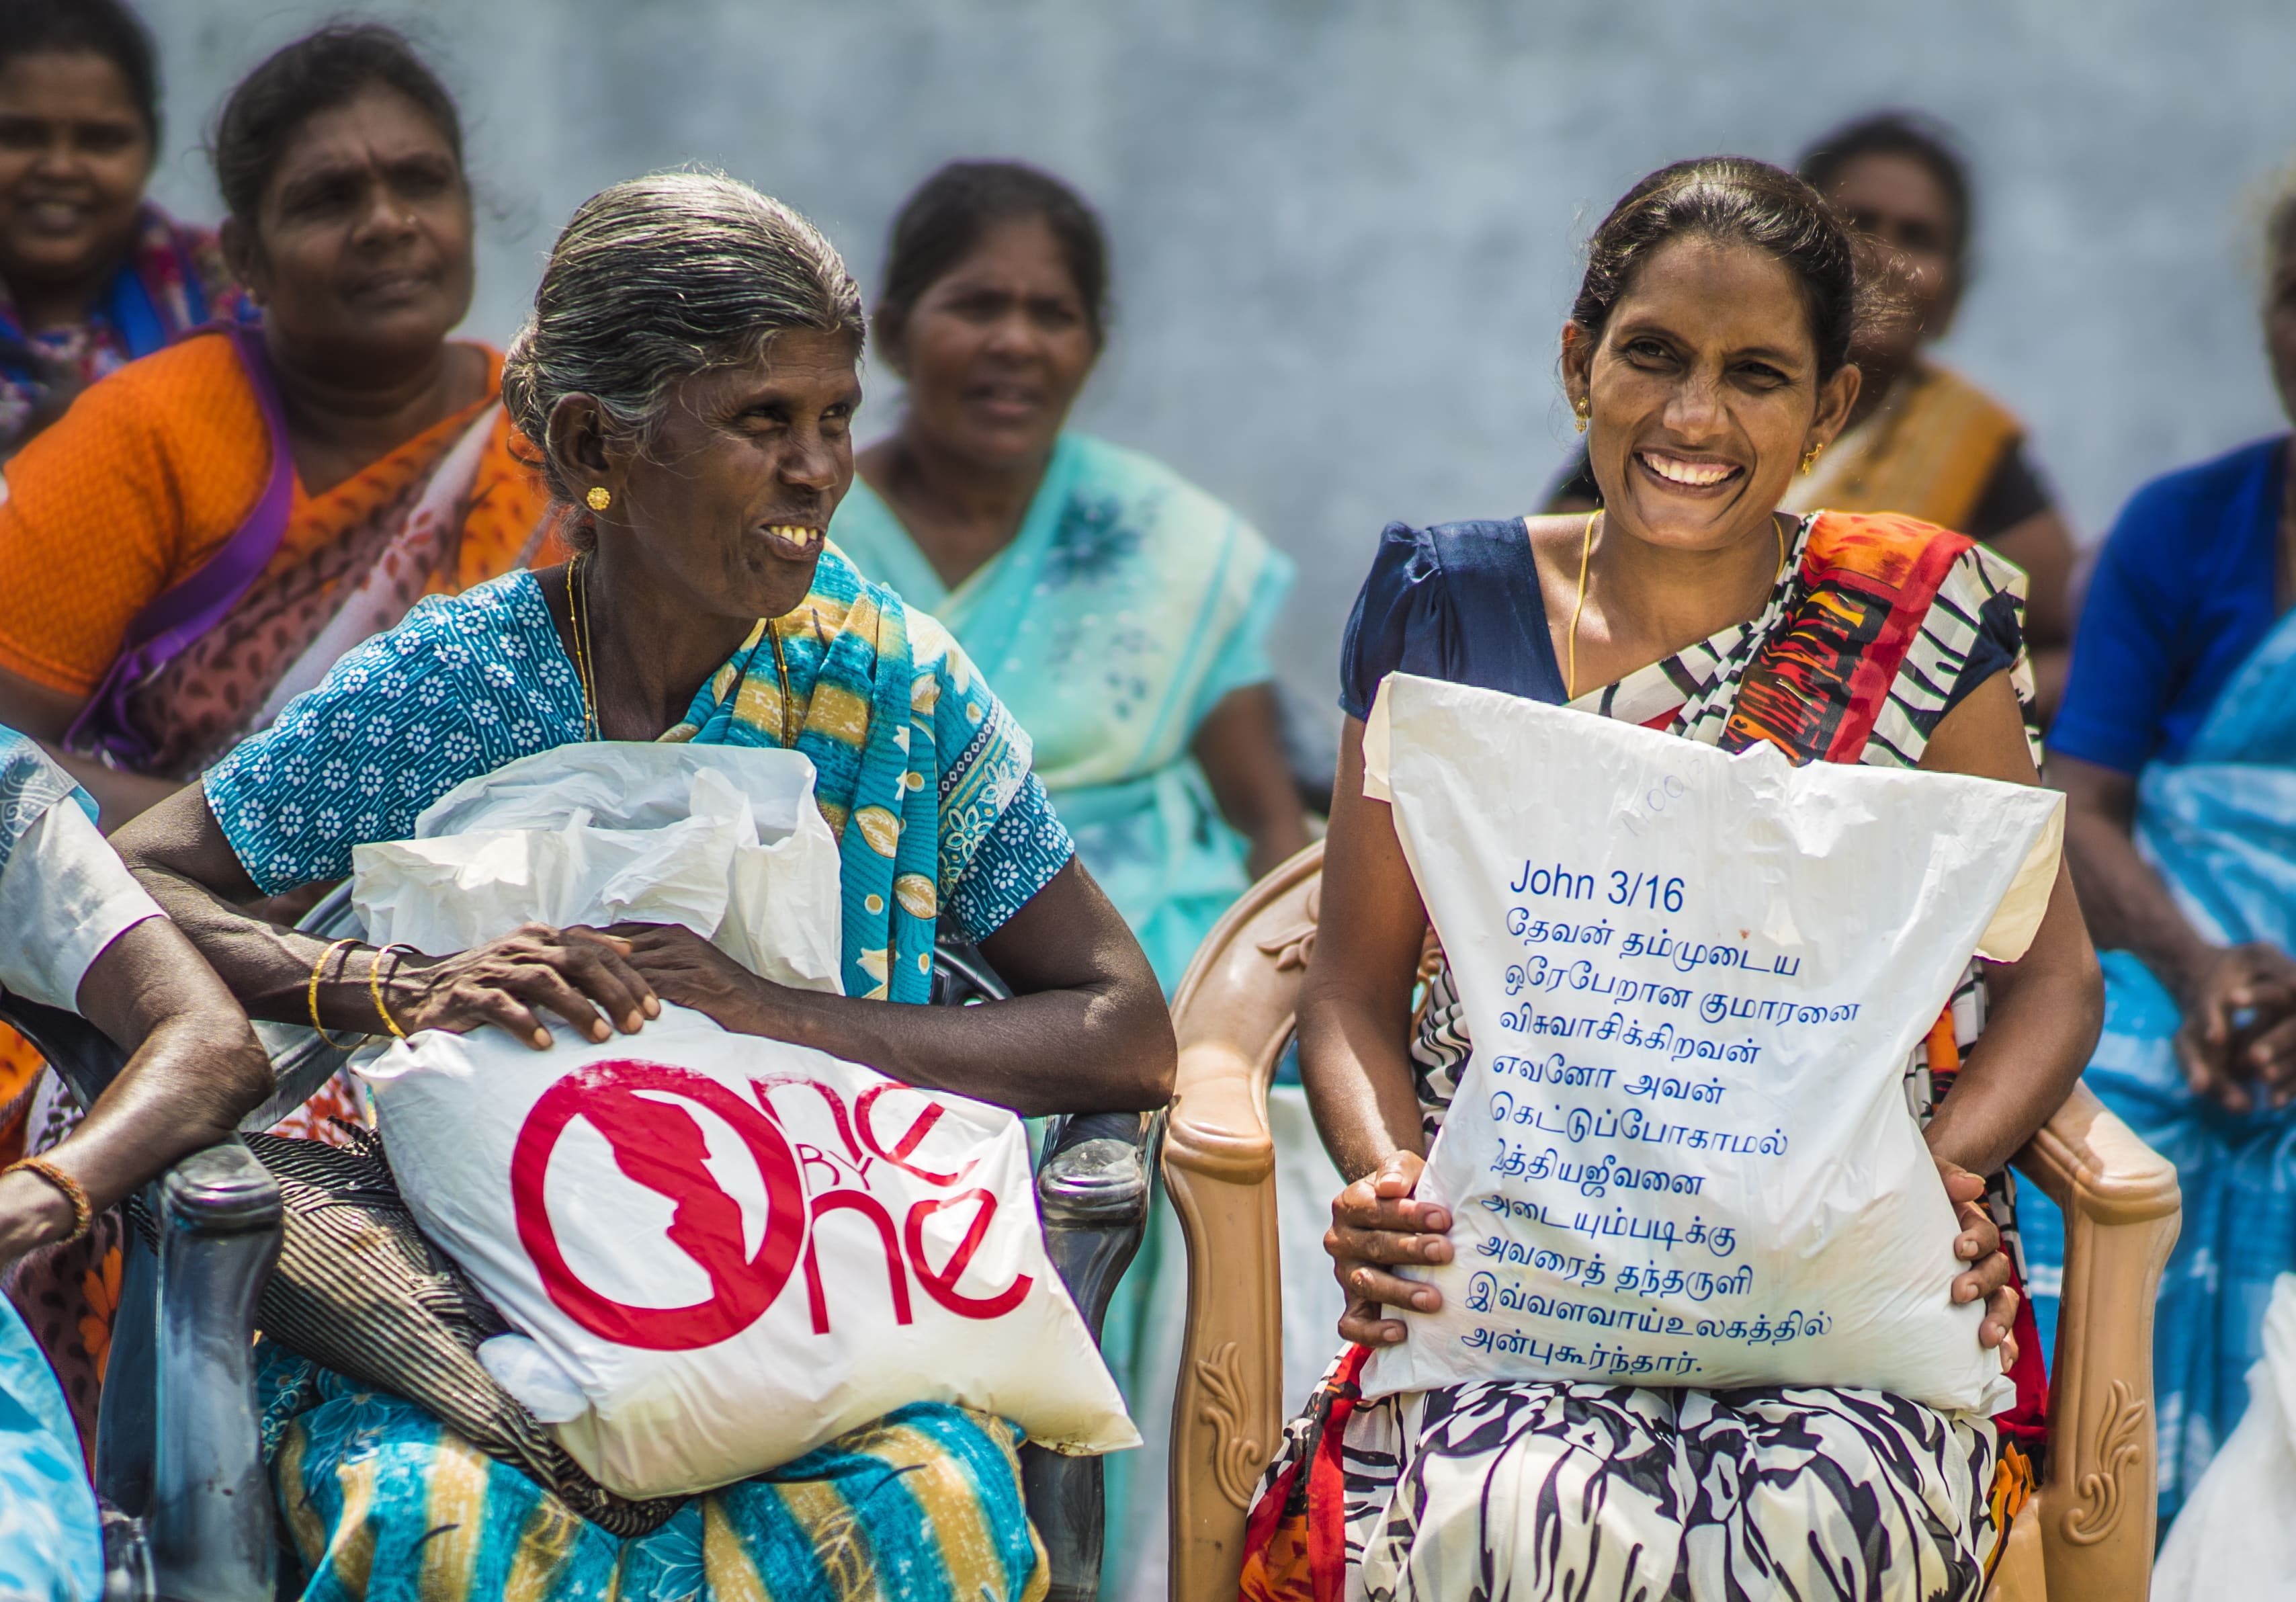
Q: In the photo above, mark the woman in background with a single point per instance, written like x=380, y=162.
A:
x=1127, y=609
x=1122, y=611
x=2176, y=752
x=212, y=526
x=92, y=275
x=1923, y=440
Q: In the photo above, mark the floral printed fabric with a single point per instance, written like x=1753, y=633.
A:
x=922, y=773
x=1129, y=603
x=380, y=1501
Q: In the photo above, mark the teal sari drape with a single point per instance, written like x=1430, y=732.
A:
x=1128, y=605
x=2220, y=826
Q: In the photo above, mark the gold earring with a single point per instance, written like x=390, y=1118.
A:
x=1809, y=458
x=600, y=498
x=1585, y=408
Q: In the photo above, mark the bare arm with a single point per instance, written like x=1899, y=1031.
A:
x=182, y=856
x=196, y=1070
x=1086, y=1030
x=2129, y=910
x=2046, y=1008
x=45, y=714
x=1354, y=1019
x=1241, y=747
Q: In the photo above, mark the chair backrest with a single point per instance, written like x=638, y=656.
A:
x=1234, y=1016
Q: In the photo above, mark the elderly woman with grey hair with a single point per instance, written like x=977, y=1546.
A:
x=690, y=374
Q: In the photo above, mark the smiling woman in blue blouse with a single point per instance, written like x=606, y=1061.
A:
x=690, y=372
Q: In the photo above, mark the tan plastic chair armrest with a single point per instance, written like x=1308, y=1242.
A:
x=2095, y=1511
x=2088, y=1161
x=1219, y=1124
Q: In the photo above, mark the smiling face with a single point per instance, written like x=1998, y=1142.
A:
x=725, y=508
x=1704, y=393
x=994, y=352
x=361, y=250
x=74, y=155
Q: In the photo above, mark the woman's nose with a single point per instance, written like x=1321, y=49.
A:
x=386, y=216
x=811, y=461
x=1013, y=335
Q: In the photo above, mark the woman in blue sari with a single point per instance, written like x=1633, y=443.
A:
x=2176, y=751
x=689, y=375
x=1122, y=611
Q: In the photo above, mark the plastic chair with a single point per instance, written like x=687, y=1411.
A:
x=2087, y=1536
x=188, y=1507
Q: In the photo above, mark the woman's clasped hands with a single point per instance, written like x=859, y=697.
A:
x=1377, y=1226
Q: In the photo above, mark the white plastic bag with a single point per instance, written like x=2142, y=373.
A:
x=1682, y=1153
x=2236, y=1535
x=724, y=840
x=719, y=1251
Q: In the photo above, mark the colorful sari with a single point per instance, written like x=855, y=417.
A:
x=159, y=556
x=925, y=779
x=1876, y=627
x=172, y=281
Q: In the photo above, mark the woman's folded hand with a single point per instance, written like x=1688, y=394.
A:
x=688, y=970
x=1376, y=1226
x=585, y=977
x=1979, y=1244
x=2239, y=1030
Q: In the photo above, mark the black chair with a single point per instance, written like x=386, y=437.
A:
x=187, y=1507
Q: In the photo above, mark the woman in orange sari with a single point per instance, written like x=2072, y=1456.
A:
x=210, y=528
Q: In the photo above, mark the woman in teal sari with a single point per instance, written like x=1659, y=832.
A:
x=2176, y=748
x=689, y=374
x=1121, y=610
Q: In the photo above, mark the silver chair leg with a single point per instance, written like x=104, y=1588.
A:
x=210, y=1525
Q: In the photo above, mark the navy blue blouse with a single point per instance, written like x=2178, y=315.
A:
x=1458, y=601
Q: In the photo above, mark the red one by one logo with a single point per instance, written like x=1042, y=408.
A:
x=659, y=1145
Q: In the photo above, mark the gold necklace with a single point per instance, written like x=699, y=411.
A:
x=1586, y=551
x=780, y=668
x=584, y=654
x=586, y=657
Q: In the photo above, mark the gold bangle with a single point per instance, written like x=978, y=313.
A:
x=83, y=1210
x=317, y=969
x=374, y=989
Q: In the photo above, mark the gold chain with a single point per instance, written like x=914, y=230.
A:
x=780, y=667
x=586, y=657
x=585, y=653
x=1586, y=551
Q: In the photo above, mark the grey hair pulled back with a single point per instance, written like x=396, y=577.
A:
x=658, y=279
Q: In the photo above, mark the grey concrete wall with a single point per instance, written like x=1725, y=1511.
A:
x=1346, y=230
